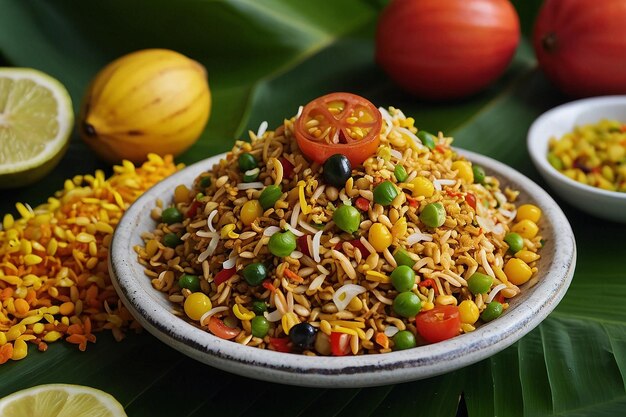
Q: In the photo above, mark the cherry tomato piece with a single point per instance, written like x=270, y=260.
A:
x=224, y=275
x=339, y=343
x=440, y=323
x=339, y=123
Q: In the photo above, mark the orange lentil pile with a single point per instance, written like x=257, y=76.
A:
x=54, y=278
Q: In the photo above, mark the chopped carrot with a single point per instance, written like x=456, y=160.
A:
x=292, y=275
x=6, y=352
x=382, y=340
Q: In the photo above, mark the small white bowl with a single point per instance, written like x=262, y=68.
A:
x=153, y=310
x=609, y=205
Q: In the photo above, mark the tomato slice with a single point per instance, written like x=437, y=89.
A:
x=339, y=343
x=219, y=329
x=440, y=323
x=339, y=123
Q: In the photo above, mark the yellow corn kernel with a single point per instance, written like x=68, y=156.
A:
x=445, y=300
x=465, y=170
x=528, y=212
x=242, y=313
x=52, y=336
x=355, y=304
x=20, y=350
x=517, y=271
x=250, y=211
x=379, y=237
x=422, y=186
x=468, y=311
x=526, y=228
x=288, y=321
x=527, y=256
x=181, y=194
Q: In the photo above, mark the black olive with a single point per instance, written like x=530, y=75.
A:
x=303, y=335
x=337, y=170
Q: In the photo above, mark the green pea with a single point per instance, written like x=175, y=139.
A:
x=385, y=193
x=515, y=242
x=479, y=283
x=433, y=215
x=404, y=339
x=347, y=218
x=479, y=174
x=403, y=258
x=270, y=195
x=259, y=307
x=403, y=278
x=259, y=326
x=247, y=162
x=428, y=139
x=254, y=273
x=191, y=282
x=171, y=215
x=555, y=161
x=171, y=240
x=407, y=304
x=492, y=311
x=205, y=182
x=400, y=173
x=281, y=244
x=251, y=175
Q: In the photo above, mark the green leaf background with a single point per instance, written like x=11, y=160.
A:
x=264, y=59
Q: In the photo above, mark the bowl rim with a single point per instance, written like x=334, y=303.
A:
x=346, y=371
x=538, y=152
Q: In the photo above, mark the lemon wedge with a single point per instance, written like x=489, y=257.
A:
x=36, y=119
x=60, y=400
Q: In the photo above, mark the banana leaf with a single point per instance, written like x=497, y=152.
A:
x=264, y=59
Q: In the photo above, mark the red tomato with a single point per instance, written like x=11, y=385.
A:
x=581, y=46
x=219, y=329
x=471, y=200
x=443, y=49
x=339, y=343
x=440, y=323
x=281, y=344
x=362, y=203
x=339, y=123
x=224, y=275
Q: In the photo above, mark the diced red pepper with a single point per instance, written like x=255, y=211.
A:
x=193, y=209
x=224, y=275
x=360, y=246
x=362, y=203
x=303, y=245
x=412, y=202
x=499, y=297
x=440, y=148
x=280, y=344
x=453, y=193
x=287, y=167
x=471, y=200
x=429, y=283
x=339, y=343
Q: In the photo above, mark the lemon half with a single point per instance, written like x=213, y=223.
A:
x=60, y=400
x=36, y=119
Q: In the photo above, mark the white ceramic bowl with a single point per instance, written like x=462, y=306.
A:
x=153, y=310
x=609, y=205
